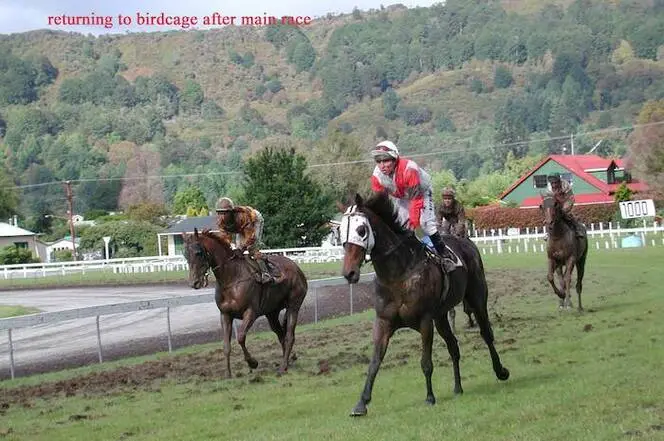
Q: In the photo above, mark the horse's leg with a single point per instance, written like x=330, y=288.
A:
x=451, y=316
x=426, y=331
x=382, y=331
x=275, y=325
x=291, y=322
x=569, y=268
x=248, y=319
x=468, y=310
x=227, y=326
x=550, y=278
x=482, y=317
x=443, y=328
x=284, y=323
x=561, y=281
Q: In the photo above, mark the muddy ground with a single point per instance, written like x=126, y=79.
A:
x=203, y=365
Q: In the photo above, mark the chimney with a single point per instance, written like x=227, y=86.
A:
x=15, y=220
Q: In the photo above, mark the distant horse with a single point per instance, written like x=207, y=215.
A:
x=411, y=288
x=563, y=248
x=239, y=296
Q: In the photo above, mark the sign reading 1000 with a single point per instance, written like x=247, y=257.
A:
x=633, y=209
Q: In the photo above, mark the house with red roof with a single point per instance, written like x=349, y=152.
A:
x=594, y=180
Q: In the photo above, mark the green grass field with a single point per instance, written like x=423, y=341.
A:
x=12, y=310
x=589, y=376
x=312, y=270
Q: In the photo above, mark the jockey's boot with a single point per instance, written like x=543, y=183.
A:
x=441, y=249
x=265, y=274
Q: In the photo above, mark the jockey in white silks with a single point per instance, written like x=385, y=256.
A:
x=409, y=186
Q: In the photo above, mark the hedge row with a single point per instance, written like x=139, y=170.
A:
x=504, y=217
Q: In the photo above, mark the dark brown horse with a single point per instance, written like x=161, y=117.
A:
x=411, y=289
x=239, y=296
x=563, y=249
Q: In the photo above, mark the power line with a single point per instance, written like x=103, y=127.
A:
x=358, y=161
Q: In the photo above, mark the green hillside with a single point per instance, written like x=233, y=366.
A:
x=466, y=86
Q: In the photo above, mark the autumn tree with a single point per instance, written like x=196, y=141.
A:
x=646, y=147
x=140, y=184
x=348, y=175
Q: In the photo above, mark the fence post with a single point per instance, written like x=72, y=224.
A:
x=168, y=322
x=99, y=342
x=315, y=305
x=11, y=353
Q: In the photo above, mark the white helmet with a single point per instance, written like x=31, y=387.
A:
x=385, y=150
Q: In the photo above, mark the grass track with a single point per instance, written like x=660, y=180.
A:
x=93, y=278
x=591, y=376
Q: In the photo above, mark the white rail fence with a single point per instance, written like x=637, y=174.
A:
x=509, y=240
x=513, y=241
x=168, y=303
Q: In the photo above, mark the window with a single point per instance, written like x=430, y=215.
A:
x=179, y=244
x=539, y=181
x=23, y=245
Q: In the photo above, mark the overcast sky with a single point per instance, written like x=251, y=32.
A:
x=26, y=15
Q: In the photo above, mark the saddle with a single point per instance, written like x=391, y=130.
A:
x=446, y=265
x=272, y=269
x=578, y=228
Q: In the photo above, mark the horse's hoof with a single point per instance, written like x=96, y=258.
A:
x=252, y=363
x=359, y=410
x=458, y=391
x=503, y=375
x=281, y=372
x=431, y=400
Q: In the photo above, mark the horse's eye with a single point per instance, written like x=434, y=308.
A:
x=362, y=231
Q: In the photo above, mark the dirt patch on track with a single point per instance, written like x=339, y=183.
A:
x=340, y=344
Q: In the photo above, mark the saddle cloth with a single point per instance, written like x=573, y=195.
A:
x=457, y=261
x=272, y=269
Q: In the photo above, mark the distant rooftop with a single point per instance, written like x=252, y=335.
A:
x=187, y=225
x=7, y=230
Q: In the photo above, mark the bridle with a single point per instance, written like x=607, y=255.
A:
x=349, y=234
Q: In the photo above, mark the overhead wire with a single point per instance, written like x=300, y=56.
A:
x=352, y=162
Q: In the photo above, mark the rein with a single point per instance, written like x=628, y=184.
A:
x=209, y=258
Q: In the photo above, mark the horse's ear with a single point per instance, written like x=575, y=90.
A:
x=196, y=232
x=341, y=207
x=185, y=239
x=358, y=200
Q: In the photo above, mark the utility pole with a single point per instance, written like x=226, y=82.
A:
x=571, y=137
x=70, y=202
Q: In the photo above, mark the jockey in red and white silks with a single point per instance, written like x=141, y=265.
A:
x=408, y=185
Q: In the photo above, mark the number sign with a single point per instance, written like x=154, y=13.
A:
x=634, y=209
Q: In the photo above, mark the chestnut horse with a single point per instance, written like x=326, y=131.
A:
x=411, y=289
x=239, y=296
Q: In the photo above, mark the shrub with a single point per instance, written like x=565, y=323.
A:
x=504, y=217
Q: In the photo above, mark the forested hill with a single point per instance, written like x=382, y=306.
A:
x=468, y=80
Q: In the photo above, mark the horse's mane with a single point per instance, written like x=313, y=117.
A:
x=382, y=206
x=215, y=237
